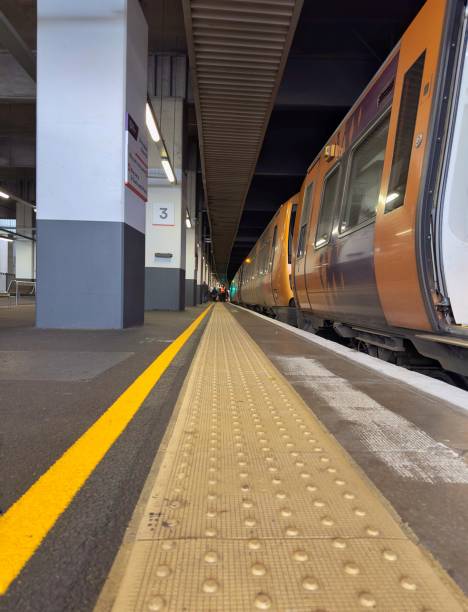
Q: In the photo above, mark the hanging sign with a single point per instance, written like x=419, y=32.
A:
x=164, y=213
x=136, y=159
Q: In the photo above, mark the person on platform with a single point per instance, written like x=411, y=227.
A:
x=222, y=293
x=214, y=294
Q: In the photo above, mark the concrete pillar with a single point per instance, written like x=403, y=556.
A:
x=190, y=242
x=91, y=174
x=165, y=260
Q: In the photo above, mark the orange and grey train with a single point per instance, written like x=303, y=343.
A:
x=379, y=249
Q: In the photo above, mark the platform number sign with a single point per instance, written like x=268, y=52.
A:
x=163, y=213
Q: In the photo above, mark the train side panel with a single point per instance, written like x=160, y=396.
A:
x=339, y=269
x=395, y=247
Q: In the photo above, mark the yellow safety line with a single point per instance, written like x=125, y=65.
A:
x=30, y=518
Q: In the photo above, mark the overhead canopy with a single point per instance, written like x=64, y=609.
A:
x=238, y=50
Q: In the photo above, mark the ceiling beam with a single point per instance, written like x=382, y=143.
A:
x=11, y=40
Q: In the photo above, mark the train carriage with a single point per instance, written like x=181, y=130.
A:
x=264, y=279
x=380, y=247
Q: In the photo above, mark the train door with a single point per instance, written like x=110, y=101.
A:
x=453, y=212
x=273, y=276
x=396, y=266
x=301, y=234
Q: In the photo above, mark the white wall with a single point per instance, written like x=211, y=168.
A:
x=165, y=239
x=25, y=258
x=81, y=105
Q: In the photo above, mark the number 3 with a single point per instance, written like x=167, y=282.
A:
x=163, y=213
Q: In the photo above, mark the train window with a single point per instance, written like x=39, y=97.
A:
x=405, y=135
x=273, y=247
x=325, y=222
x=364, y=178
x=305, y=215
x=292, y=222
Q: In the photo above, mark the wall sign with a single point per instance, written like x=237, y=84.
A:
x=136, y=159
x=163, y=213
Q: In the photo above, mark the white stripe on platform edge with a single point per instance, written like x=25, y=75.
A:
x=430, y=386
x=401, y=445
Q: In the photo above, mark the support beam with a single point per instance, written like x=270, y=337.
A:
x=12, y=41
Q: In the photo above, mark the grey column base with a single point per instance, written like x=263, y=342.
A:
x=164, y=289
x=198, y=294
x=190, y=292
x=89, y=275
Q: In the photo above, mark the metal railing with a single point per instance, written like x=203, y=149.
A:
x=22, y=287
x=5, y=280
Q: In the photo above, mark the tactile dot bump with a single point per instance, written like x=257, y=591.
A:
x=211, y=556
x=372, y=531
x=156, y=603
x=351, y=568
x=408, y=584
x=389, y=555
x=262, y=601
x=292, y=531
x=210, y=586
x=367, y=600
x=310, y=584
x=339, y=543
x=254, y=544
x=300, y=555
x=210, y=532
x=258, y=569
x=163, y=571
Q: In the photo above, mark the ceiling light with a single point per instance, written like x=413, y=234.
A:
x=4, y=195
x=6, y=239
x=188, y=223
x=151, y=124
x=168, y=170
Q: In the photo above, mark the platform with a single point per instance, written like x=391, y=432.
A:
x=255, y=505
x=249, y=467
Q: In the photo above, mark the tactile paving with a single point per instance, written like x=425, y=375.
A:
x=257, y=507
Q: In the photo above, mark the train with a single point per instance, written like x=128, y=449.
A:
x=373, y=250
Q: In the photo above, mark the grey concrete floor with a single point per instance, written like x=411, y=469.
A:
x=53, y=386
x=412, y=446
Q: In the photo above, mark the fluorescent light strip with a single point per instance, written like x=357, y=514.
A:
x=4, y=195
x=151, y=124
x=6, y=239
x=168, y=170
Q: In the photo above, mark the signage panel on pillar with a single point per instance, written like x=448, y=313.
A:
x=136, y=162
x=163, y=213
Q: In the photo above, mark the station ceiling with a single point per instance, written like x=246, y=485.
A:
x=336, y=49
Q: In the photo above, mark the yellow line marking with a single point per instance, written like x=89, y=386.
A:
x=30, y=518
